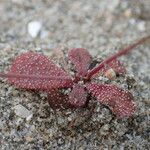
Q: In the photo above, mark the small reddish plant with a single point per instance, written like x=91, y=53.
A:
x=35, y=71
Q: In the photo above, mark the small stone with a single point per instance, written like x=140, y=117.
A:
x=104, y=129
x=29, y=117
x=21, y=111
x=15, y=92
x=34, y=28
x=60, y=141
x=81, y=148
x=19, y=121
x=114, y=4
x=29, y=139
x=128, y=13
x=141, y=26
x=110, y=74
x=69, y=118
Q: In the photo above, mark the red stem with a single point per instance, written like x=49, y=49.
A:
x=13, y=75
x=115, y=56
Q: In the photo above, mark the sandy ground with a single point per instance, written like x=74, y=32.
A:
x=102, y=27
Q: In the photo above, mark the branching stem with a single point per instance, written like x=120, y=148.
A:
x=115, y=56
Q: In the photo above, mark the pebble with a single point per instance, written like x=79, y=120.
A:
x=60, y=141
x=104, y=129
x=114, y=4
x=22, y=112
x=128, y=13
x=29, y=117
x=34, y=28
x=29, y=138
x=141, y=26
x=110, y=74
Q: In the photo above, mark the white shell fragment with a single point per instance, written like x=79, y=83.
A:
x=22, y=112
x=34, y=28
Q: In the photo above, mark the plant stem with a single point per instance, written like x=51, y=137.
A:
x=13, y=75
x=115, y=56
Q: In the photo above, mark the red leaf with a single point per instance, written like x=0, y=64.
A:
x=81, y=59
x=58, y=100
x=38, y=65
x=119, y=101
x=78, y=96
x=116, y=65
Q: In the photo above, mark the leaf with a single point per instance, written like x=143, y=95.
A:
x=58, y=100
x=78, y=96
x=119, y=101
x=38, y=65
x=117, y=66
x=81, y=59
